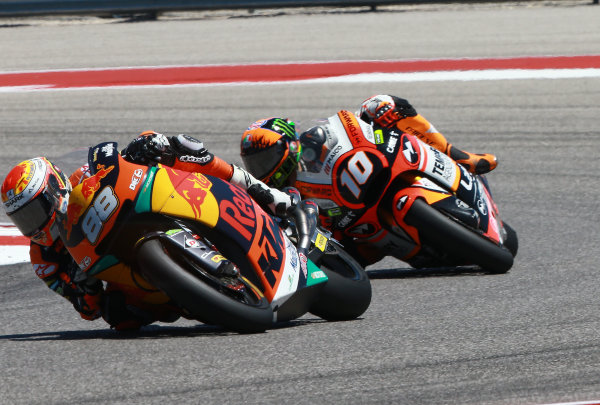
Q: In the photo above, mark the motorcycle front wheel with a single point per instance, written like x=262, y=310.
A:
x=230, y=302
x=347, y=292
x=449, y=236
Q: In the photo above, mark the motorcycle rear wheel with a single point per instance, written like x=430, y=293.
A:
x=202, y=300
x=347, y=292
x=455, y=239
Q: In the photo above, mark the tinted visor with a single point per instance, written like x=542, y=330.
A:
x=280, y=176
x=262, y=162
x=34, y=216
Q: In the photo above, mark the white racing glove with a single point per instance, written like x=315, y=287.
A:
x=274, y=201
x=385, y=110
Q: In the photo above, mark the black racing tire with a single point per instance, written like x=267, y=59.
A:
x=200, y=299
x=455, y=239
x=512, y=241
x=347, y=292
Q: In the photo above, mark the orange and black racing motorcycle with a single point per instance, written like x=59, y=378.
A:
x=394, y=195
x=163, y=235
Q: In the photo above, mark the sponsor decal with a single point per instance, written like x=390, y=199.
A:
x=85, y=263
x=247, y=141
x=409, y=151
x=136, y=178
x=44, y=270
x=392, y=142
x=240, y=218
x=344, y=222
x=303, y=264
x=367, y=131
x=196, y=159
x=440, y=167
x=14, y=201
x=352, y=127
x=379, y=140
x=466, y=178
x=321, y=242
x=334, y=212
x=149, y=180
x=191, y=243
x=330, y=160
x=317, y=274
x=172, y=232
x=292, y=254
x=218, y=258
x=108, y=149
x=314, y=190
x=481, y=206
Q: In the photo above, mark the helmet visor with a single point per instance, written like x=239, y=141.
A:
x=32, y=217
x=280, y=176
x=264, y=161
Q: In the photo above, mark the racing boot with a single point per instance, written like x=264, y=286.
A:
x=475, y=163
x=392, y=111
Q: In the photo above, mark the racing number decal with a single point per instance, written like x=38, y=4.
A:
x=354, y=172
x=104, y=206
x=357, y=173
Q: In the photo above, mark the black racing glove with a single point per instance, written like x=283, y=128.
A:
x=149, y=148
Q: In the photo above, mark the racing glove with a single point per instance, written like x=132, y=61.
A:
x=190, y=150
x=270, y=199
x=148, y=148
x=83, y=292
x=152, y=148
x=88, y=306
x=385, y=110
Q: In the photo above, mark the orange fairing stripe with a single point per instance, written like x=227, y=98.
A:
x=352, y=128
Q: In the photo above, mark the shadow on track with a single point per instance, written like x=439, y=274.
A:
x=147, y=332
x=409, y=272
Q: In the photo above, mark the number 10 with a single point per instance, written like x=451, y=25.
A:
x=358, y=172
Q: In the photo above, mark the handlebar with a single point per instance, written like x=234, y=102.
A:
x=305, y=215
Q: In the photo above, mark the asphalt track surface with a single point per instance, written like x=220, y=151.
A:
x=527, y=337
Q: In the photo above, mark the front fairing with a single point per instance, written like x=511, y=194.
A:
x=96, y=203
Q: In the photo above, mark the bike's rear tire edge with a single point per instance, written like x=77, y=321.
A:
x=199, y=299
x=457, y=240
x=347, y=292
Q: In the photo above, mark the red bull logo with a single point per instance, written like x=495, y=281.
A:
x=90, y=185
x=194, y=190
